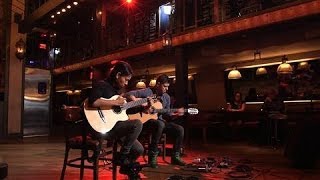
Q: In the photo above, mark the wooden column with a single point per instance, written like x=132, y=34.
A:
x=216, y=11
x=181, y=86
x=14, y=88
x=179, y=15
x=104, y=27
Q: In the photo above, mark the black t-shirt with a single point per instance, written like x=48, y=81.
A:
x=102, y=89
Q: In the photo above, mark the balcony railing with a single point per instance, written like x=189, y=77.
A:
x=145, y=27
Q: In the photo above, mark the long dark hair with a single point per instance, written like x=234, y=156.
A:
x=121, y=67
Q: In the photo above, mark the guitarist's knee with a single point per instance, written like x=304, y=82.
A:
x=160, y=124
x=137, y=124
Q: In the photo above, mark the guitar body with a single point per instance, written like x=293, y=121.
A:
x=144, y=117
x=103, y=119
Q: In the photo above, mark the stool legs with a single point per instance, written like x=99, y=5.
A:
x=114, y=159
x=164, y=153
x=82, y=163
x=96, y=167
x=276, y=140
x=65, y=163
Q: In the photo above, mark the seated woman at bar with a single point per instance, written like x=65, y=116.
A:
x=236, y=105
x=234, y=120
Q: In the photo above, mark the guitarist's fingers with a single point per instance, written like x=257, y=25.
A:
x=121, y=100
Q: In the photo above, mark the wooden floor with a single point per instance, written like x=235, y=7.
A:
x=41, y=159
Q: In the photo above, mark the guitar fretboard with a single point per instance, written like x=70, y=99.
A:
x=166, y=110
x=134, y=103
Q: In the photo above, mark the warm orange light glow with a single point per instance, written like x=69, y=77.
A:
x=113, y=62
x=129, y=1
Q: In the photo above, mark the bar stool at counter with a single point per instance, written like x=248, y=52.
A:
x=274, y=118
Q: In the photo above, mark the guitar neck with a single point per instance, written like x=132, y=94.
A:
x=134, y=103
x=166, y=110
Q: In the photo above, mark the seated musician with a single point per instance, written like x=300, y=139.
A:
x=126, y=131
x=163, y=123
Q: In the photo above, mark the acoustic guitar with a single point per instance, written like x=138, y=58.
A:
x=155, y=109
x=103, y=119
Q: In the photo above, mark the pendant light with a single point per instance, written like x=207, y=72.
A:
x=234, y=74
x=141, y=85
x=261, y=71
x=152, y=83
x=303, y=66
x=284, y=67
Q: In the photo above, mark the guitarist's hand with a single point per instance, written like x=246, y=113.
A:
x=120, y=101
x=179, y=112
x=147, y=107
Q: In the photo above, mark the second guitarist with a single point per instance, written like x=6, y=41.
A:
x=160, y=125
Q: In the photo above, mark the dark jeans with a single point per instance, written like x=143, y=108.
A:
x=157, y=127
x=128, y=132
x=177, y=131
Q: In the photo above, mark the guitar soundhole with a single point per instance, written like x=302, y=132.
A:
x=117, y=109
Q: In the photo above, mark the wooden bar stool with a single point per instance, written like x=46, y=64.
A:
x=77, y=138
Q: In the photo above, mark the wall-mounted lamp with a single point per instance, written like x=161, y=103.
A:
x=284, y=67
x=20, y=49
x=166, y=40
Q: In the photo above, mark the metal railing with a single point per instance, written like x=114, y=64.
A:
x=145, y=27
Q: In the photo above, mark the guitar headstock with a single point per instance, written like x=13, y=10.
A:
x=193, y=111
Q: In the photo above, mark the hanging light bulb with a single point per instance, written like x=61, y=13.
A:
x=234, y=74
x=284, y=67
x=261, y=71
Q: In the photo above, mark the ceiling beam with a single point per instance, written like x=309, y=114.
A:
x=27, y=24
x=270, y=17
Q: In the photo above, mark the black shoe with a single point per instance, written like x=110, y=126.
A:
x=131, y=170
x=152, y=159
x=122, y=160
x=176, y=160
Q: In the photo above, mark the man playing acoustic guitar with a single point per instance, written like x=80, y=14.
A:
x=163, y=123
x=126, y=131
